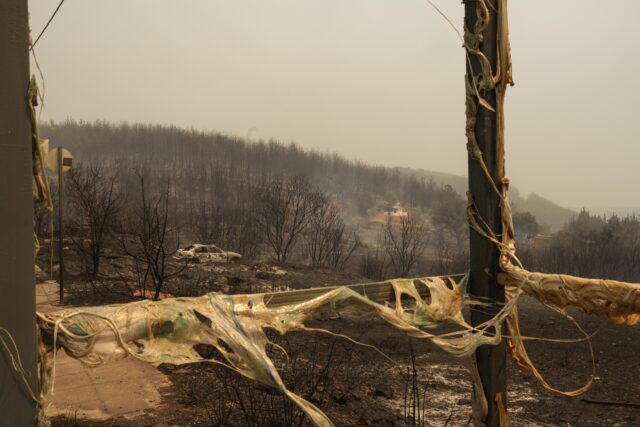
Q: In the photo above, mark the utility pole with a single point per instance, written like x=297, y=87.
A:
x=60, y=225
x=484, y=255
x=17, y=281
x=59, y=160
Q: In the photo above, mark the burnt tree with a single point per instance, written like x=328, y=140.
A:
x=151, y=239
x=96, y=203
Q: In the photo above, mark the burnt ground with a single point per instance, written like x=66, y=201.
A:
x=356, y=386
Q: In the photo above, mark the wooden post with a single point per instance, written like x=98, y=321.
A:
x=60, y=225
x=17, y=282
x=484, y=256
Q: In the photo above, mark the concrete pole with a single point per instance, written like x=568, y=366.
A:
x=17, y=282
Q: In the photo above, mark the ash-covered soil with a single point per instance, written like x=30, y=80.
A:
x=357, y=386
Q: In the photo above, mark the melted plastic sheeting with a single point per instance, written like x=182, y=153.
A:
x=618, y=302
x=166, y=331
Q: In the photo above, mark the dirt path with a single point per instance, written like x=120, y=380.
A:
x=126, y=389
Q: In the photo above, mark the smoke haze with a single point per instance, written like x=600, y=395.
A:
x=375, y=80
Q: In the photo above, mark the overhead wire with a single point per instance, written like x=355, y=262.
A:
x=55, y=12
x=446, y=18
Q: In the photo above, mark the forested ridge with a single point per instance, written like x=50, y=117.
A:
x=207, y=162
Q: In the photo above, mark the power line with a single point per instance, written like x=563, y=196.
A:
x=47, y=26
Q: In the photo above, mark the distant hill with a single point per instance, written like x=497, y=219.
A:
x=225, y=167
x=547, y=212
x=457, y=182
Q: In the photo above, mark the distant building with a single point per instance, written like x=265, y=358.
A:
x=397, y=211
x=394, y=213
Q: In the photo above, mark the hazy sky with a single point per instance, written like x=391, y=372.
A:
x=375, y=80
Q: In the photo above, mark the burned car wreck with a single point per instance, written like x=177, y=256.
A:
x=200, y=253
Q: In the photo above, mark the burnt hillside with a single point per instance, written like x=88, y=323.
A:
x=226, y=167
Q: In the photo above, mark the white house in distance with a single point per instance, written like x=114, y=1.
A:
x=397, y=211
